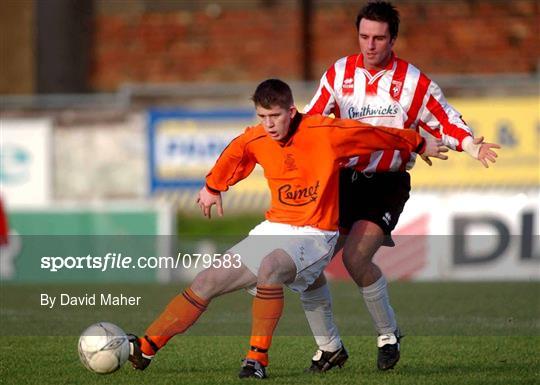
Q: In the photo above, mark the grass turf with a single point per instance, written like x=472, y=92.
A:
x=457, y=333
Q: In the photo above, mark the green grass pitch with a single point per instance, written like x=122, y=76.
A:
x=456, y=333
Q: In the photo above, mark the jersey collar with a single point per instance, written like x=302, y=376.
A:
x=295, y=122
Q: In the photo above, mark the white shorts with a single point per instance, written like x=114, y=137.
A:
x=311, y=250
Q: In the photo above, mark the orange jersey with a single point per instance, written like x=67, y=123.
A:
x=302, y=172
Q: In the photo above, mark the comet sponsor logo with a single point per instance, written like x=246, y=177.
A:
x=298, y=195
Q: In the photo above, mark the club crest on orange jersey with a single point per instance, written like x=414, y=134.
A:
x=290, y=163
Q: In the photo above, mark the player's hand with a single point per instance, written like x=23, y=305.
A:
x=427, y=160
x=434, y=149
x=206, y=200
x=485, y=151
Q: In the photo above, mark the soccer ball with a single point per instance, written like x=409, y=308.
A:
x=103, y=347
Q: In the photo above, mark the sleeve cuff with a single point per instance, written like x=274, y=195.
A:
x=212, y=190
x=421, y=147
x=469, y=147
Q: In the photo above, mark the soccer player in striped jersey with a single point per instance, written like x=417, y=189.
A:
x=376, y=87
x=296, y=241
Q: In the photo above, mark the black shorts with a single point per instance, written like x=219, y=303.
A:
x=378, y=198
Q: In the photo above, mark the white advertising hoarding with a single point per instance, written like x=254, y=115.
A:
x=25, y=161
x=473, y=235
x=480, y=236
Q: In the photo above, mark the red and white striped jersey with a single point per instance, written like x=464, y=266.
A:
x=398, y=96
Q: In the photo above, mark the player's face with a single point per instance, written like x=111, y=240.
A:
x=375, y=43
x=276, y=120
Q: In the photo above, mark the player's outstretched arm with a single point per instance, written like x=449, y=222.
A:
x=206, y=200
x=434, y=149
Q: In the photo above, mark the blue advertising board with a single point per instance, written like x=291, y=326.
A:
x=183, y=144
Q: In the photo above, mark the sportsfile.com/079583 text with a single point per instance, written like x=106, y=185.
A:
x=112, y=261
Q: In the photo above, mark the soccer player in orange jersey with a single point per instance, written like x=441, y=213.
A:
x=300, y=156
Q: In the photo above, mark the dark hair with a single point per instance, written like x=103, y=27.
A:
x=273, y=92
x=382, y=11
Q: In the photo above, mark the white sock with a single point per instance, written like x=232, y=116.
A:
x=378, y=305
x=318, y=308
